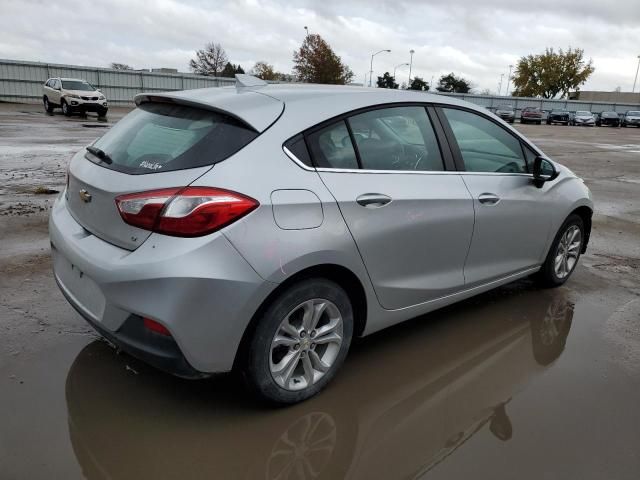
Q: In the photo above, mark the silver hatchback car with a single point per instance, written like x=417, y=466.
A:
x=259, y=228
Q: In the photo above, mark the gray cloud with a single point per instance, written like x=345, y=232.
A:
x=474, y=38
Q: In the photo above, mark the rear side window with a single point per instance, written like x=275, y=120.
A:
x=331, y=147
x=160, y=137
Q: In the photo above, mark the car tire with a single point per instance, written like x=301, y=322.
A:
x=539, y=122
x=47, y=106
x=302, y=359
x=102, y=112
x=65, y=108
x=564, y=253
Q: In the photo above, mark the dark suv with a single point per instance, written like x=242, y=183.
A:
x=559, y=116
x=531, y=115
x=608, y=118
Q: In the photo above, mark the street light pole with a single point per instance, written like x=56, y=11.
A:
x=412, y=51
x=509, y=79
x=306, y=29
x=636, y=79
x=500, y=84
x=395, y=68
x=371, y=66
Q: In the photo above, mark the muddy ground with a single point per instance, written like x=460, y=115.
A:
x=517, y=383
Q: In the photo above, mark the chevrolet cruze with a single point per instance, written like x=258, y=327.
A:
x=259, y=228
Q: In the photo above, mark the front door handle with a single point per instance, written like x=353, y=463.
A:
x=489, y=198
x=373, y=200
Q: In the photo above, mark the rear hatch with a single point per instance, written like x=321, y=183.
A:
x=164, y=143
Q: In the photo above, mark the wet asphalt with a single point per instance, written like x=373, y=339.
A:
x=515, y=383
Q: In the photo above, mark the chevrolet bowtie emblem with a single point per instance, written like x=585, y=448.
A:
x=84, y=196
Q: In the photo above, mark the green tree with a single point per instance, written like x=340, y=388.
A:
x=211, y=60
x=418, y=83
x=121, y=66
x=316, y=62
x=453, y=84
x=230, y=70
x=387, y=81
x=551, y=74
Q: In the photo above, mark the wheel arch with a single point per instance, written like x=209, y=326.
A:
x=585, y=213
x=344, y=277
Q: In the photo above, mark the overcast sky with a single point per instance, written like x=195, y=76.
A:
x=477, y=39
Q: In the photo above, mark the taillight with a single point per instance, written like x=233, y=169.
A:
x=184, y=212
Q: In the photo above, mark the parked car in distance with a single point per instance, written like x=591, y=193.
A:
x=631, y=118
x=506, y=113
x=559, y=116
x=531, y=115
x=249, y=228
x=608, y=118
x=73, y=95
x=584, y=118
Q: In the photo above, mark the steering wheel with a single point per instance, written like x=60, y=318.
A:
x=511, y=167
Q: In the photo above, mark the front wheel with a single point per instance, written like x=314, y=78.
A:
x=47, y=105
x=65, y=109
x=102, y=112
x=564, y=253
x=300, y=342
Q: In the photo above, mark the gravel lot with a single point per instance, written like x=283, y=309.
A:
x=516, y=383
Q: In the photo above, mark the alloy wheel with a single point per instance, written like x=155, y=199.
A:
x=568, y=251
x=306, y=344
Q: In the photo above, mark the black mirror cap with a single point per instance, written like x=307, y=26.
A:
x=539, y=175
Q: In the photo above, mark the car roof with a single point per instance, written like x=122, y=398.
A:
x=305, y=104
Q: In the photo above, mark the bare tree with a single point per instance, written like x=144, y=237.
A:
x=209, y=61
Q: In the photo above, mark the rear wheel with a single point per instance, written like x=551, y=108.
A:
x=539, y=122
x=564, y=253
x=65, y=108
x=300, y=342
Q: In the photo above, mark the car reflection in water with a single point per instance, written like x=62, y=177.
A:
x=400, y=406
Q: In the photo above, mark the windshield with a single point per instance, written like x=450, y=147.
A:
x=559, y=111
x=609, y=114
x=505, y=107
x=160, y=137
x=634, y=113
x=583, y=114
x=77, y=85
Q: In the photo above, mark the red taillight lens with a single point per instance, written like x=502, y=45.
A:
x=184, y=212
x=155, y=327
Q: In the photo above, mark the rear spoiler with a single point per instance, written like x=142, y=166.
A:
x=242, y=103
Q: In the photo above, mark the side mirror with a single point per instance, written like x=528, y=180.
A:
x=543, y=171
x=98, y=90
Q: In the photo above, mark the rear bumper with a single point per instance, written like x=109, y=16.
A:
x=157, y=350
x=200, y=289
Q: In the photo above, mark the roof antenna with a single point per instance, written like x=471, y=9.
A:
x=249, y=81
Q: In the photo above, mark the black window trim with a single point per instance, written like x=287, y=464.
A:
x=442, y=141
x=455, y=149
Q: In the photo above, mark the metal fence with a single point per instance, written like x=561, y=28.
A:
x=22, y=81
x=518, y=103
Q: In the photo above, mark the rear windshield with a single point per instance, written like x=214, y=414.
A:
x=160, y=137
x=635, y=114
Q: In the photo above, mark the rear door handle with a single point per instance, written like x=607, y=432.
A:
x=373, y=200
x=489, y=198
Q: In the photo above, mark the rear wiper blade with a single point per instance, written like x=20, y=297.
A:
x=101, y=154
